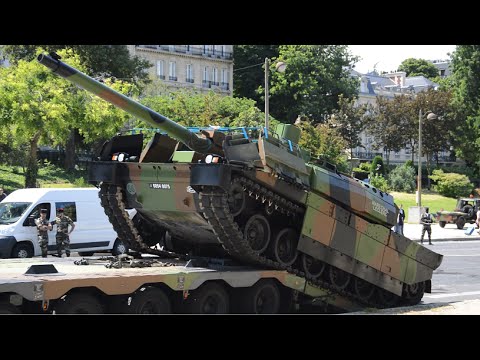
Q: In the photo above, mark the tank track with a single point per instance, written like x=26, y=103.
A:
x=214, y=205
x=113, y=203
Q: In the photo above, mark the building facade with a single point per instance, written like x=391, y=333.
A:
x=200, y=67
x=443, y=67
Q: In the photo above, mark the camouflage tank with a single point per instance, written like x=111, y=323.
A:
x=256, y=196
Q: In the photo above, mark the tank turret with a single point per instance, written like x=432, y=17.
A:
x=256, y=196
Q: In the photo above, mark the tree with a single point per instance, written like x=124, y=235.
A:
x=324, y=142
x=377, y=167
x=314, y=78
x=193, y=109
x=38, y=107
x=418, y=67
x=391, y=123
x=466, y=93
x=248, y=75
x=97, y=60
x=351, y=120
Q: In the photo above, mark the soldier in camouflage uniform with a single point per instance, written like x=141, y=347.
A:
x=42, y=230
x=63, y=240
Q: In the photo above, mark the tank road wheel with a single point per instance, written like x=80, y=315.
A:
x=149, y=300
x=442, y=223
x=412, y=294
x=363, y=289
x=387, y=299
x=339, y=278
x=285, y=246
x=262, y=298
x=460, y=222
x=257, y=233
x=210, y=298
x=236, y=199
x=313, y=268
x=79, y=303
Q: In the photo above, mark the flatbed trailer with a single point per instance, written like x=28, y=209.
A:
x=156, y=286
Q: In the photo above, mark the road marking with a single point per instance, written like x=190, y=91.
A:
x=439, y=296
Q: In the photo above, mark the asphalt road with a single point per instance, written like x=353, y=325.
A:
x=458, y=277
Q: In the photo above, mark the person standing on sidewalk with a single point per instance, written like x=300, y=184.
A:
x=400, y=220
x=426, y=220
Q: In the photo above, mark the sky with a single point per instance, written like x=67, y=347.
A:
x=389, y=57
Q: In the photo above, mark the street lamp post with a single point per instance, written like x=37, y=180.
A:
x=430, y=116
x=280, y=67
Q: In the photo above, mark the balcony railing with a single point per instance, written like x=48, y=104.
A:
x=206, y=83
x=189, y=80
x=162, y=77
x=366, y=155
x=225, y=85
x=193, y=50
x=172, y=78
x=215, y=83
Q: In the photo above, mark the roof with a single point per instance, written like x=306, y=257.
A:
x=419, y=81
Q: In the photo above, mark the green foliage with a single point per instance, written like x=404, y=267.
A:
x=377, y=166
x=379, y=182
x=194, y=109
x=366, y=166
x=402, y=178
x=418, y=67
x=451, y=184
x=98, y=60
x=360, y=174
x=409, y=163
x=246, y=76
x=350, y=120
x=466, y=88
x=324, y=142
x=315, y=76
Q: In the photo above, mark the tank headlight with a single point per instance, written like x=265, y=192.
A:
x=208, y=159
x=211, y=159
x=121, y=157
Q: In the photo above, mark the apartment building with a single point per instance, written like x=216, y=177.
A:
x=200, y=67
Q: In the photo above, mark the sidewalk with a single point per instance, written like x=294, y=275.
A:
x=448, y=233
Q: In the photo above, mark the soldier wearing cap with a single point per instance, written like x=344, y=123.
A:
x=63, y=240
x=42, y=230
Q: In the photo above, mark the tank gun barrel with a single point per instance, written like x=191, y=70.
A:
x=201, y=145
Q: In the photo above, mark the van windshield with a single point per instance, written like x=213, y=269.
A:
x=10, y=212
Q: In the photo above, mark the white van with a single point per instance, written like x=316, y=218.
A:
x=93, y=231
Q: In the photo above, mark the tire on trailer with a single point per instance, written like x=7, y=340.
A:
x=262, y=298
x=7, y=308
x=460, y=222
x=149, y=300
x=442, y=223
x=210, y=298
x=79, y=303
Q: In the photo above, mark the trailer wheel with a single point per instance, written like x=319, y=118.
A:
x=210, y=298
x=79, y=303
x=262, y=298
x=460, y=222
x=149, y=300
x=7, y=308
x=442, y=223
